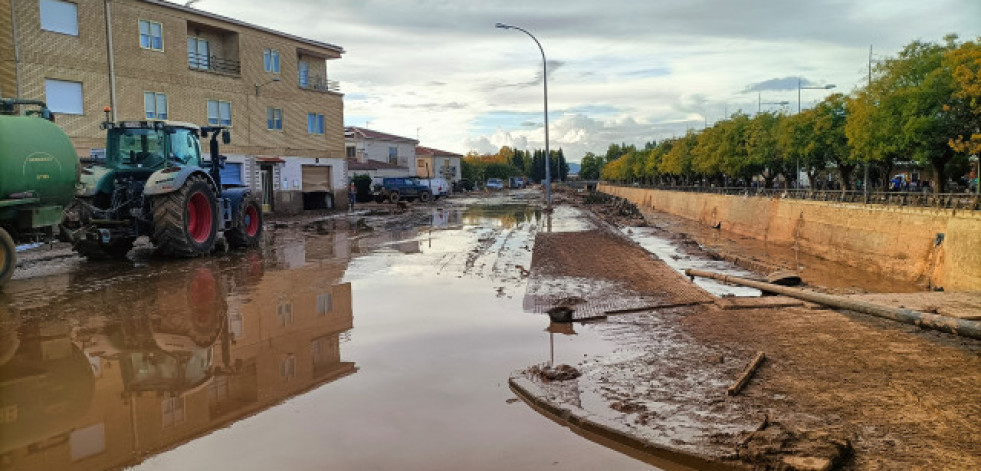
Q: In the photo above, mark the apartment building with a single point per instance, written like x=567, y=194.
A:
x=153, y=59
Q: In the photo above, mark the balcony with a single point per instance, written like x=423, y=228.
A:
x=318, y=84
x=213, y=64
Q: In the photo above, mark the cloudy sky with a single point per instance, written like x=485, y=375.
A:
x=619, y=70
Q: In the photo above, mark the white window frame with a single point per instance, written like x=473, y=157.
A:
x=222, y=115
x=59, y=17
x=155, y=99
x=272, y=123
x=173, y=411
x=287, y=367
x=201, y=61
x=315, y=123
x=270, y=60
x=61, y=96
x=325, y=304
x=303, y=74
x=150, y=36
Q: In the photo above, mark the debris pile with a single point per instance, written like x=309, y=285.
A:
x=775, y=446
x=615, y=210
x=554, y=373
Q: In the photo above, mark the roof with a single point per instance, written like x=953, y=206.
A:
x=365, y=133
x=353, y=164
x=420, y=150
x=195, y=11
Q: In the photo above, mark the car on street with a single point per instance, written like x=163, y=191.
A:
x=495, y=184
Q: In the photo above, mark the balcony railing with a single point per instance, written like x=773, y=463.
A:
x=213, y=64
x=319, y=84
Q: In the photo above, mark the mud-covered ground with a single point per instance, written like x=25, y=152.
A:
x=899, y=396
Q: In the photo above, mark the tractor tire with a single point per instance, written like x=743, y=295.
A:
x=246, y=229
x=379, y=199
x=394, y=197
x=185, y=222
x=8, y=256
x=425, y=196
x=92, y=250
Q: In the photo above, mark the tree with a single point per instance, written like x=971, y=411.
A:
x=829, y=136
x=590, y=167
x=964, y=63
x=761, y=146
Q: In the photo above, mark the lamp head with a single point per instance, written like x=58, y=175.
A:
x=502, y=26
x=829, y=86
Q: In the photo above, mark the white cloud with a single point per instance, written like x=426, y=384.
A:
x=620, y=70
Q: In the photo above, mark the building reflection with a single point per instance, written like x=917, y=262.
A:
x=158, y=361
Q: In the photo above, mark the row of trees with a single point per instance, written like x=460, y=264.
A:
x=509, y=162
x=923, y=105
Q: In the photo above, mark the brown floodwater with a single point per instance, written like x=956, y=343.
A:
x=340, y=345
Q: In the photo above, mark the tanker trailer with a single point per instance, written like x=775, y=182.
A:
x=38, y=171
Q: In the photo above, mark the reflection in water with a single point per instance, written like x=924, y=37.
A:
x=140, y=366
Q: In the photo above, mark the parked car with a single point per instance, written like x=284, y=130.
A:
x=397, y=188
x=517, y=182
x=494, y=184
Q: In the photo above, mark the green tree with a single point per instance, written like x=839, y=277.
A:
x=590, y=167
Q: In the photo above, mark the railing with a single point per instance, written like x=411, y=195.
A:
x=214, y=64
x=319, y=84
x=962, y=201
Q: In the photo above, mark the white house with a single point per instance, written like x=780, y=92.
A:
x=435, y=163
x=365, y=145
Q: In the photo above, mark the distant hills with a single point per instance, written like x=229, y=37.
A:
x=573, y=167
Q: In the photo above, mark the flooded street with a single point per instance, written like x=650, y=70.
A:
x=349, y=343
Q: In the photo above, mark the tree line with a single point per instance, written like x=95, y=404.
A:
x=922, y=106
x=508, y=162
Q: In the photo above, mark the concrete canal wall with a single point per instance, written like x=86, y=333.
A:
x=900, y=242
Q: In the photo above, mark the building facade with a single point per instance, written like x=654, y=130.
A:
x=152, y=59
x=435, y=163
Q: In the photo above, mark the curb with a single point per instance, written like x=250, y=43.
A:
x=612, y=434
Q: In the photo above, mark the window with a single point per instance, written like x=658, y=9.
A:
x=173, y=411
x=315, y=123
x=352, y=152
x=303, y=71
x=219, y=113
x=63, y=96
x=285, y=313
x=393, y=155
x=151, y=35
x=325, y=304
x=287, y=369
x=59, y=17
x=270, y=60
x=155, y=105
x=274, y=119
x=198, y=53
x=421, y=163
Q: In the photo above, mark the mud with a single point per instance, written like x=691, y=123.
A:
x=834, y=382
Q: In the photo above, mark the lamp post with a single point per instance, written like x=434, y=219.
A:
x=800, y=86
x=760, y=103
x=548, y=156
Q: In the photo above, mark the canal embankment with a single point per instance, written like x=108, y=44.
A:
x=937, y=248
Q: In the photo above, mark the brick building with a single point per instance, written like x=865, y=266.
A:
x=152, y=59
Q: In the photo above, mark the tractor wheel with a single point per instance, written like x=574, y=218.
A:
x=246, y=231
x=8, y=256
x=185, y=222
x=425, y=196
x=96, y=251
x=394, y=197
x=379, y=199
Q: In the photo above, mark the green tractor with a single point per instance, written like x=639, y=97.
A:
x=154, y=182
x=38, y=172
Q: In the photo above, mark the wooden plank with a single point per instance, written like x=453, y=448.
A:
x=746, y=375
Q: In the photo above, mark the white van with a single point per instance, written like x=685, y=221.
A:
x=439, y=186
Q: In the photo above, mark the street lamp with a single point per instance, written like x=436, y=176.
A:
x=760, y=103
x=548, y=156
x=800, y=86
x=258, y=85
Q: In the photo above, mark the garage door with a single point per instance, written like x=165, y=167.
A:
x=316, y=178
x=231, y=174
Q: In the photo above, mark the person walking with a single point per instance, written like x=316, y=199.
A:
x=352, y=194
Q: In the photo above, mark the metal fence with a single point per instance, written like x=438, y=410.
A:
x=211, y=63
x=962, y=201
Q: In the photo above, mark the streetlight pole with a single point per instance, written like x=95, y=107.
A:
x=548, y=156
x=800, y=86
x=760, y=103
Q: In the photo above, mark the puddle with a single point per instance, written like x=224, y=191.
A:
x=342, y=348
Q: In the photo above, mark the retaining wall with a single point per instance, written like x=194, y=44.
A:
x=895, y=241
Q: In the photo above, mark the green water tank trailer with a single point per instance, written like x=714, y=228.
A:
x=37, y=160
x=39, y=169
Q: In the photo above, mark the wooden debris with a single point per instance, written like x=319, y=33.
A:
x=746, y=375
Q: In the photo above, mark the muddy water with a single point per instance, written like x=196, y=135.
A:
x=336, y=347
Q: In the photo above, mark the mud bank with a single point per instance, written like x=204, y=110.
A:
x=934, y=247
